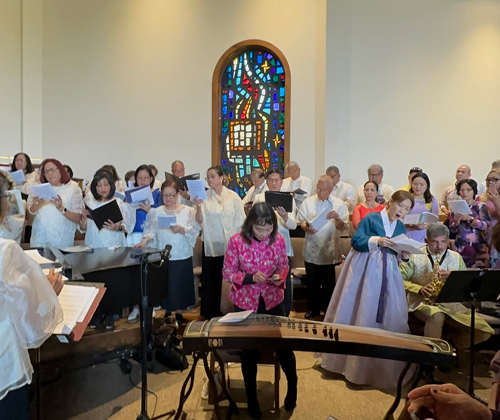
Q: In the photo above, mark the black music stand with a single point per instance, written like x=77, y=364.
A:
x=474, y=286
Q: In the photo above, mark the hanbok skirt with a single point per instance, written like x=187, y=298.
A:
x=355, y=301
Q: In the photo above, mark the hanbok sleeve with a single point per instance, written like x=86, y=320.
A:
x=128, y=213
x=31, y=302
x=192, y=228
x=231, y=271
x=150, y=226
x=360, y=240
x=76, y=201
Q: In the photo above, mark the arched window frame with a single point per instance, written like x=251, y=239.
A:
x=222, y=64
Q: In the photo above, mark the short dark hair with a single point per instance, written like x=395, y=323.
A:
x=70, y=171
x=29, y=165
x=260, y=214
x=427, y=192
x=274, y=171
x=153, y=168
x=112, y=171
x=370, y=182
x=148, y=170
x=470, y=182
x=400, y=196
x=129, y=175
x=171, y=182
x=217, y=169
x=97, y=177
x=415, y=170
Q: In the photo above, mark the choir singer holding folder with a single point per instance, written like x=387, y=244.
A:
x=111, y=233
x=322, y=247
x=286, y=222
x=29, y=312
x=181, y=236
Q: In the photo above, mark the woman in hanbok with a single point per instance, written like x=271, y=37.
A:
x=112, y=234
x=29, y=313
x=471, y=229
x=182, y=237
x=221, y=216
x=143, y=176
x=370, y=293
x=13, y=222
x=55, y=221
x=492, y=201
x=23, y=161
x=370, y=190
x=424, y=202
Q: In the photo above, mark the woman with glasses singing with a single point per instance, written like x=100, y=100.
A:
x=29, y=313
x=174, y=224
x=55, y=221
x=471, y=229
x=221, y=216
x=492, y=201
x=23, y=161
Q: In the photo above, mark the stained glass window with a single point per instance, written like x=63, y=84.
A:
x=252, y=116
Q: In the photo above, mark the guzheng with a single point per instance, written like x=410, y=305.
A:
x=273, y=332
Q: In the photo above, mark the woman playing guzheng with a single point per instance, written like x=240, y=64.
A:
x=370, y=293
x=256, y=265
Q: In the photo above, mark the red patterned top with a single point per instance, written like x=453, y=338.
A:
x=243, y=260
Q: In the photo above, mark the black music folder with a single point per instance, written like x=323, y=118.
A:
x=280, y=199
x=181, y=182
x=109, y=211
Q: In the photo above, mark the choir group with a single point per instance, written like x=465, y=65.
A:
x=247, y=243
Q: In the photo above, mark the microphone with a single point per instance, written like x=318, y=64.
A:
x=165, y=254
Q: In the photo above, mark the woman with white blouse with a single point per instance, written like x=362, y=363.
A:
x=182, y=237
x=55, y=221
x=29, y=312
x=23, y=161
x=221, y=216
x=286, y=222
x=12, y=225
x=112, y=234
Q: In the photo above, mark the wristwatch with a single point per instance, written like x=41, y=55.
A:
x=64, y=210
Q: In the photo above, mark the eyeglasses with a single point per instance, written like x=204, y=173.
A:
x=169, y=195
x=50, y=171
x=491, y=180
x=20, y=160
x=146, y=178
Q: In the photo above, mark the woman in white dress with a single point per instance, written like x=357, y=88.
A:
x=370, y=293
x=29, y=312
x=221, y=216
x=112, y=234
x=23, y=161
x=55, y=221
x=12, y=225
x=182, y=237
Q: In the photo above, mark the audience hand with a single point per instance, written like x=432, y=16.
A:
x=493, y=196
x=282, y=212
x=37, y=201
x=177, y=229
x=446, y=211
x=444, y=273
x=197, y=201
x=448, y=402
x=426, y=291
x=332, y=215
x=385, y=242
x=308, y=228
x=184, y=193
x=55, y=280
x=58, y=203
x=259, y=277
x=422, y=226
x=405, y=255
x=112, y=226
x=145, y=206
x=141, y=244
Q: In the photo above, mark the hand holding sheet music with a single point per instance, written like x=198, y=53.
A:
x=166, y=221
x=101, y=215
x=403, y=243
x=43, y=191
x=18, y=176
x=136, y=196
x=196, y=188
x=459, y=207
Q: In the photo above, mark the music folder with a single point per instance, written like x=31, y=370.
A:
x=280, y=199
x=181, y=181
x=109, y=211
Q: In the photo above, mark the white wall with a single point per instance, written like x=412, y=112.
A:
x=129, y=82
x=412, y=83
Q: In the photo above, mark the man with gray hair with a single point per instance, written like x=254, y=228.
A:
x=420, y=275
x=462, y=172
x=258, y=186
x=482, y=188
x=322, y=245
x=299, y=184
x=385, y=191
x=341, y=189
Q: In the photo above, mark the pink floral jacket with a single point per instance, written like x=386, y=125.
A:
x=242, y=261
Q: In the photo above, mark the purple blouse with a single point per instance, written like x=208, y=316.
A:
x=421, y=207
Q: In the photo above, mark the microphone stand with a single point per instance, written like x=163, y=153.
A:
x=145, y=319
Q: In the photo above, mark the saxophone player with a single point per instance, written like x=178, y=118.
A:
x=424, y=275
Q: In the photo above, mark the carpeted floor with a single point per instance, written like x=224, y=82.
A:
x=103, y=392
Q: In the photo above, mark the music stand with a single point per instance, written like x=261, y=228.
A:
x=471, y=286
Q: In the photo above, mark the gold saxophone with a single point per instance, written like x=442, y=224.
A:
x=436, y=283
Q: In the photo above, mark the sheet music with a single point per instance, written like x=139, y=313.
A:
x=403, y=243
x=165, y=221
x=235, y=316
x=56, y=270
x=196, y=188
x=35, y=256
x=44, y=191
x=459, y=206
x=73, y=300
x=320, y=220
x=139, y=195
x=18, y=176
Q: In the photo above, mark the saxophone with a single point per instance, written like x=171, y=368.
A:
x=436, y=283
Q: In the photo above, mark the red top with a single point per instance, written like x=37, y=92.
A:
x=243, y=260
x=361, y=211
